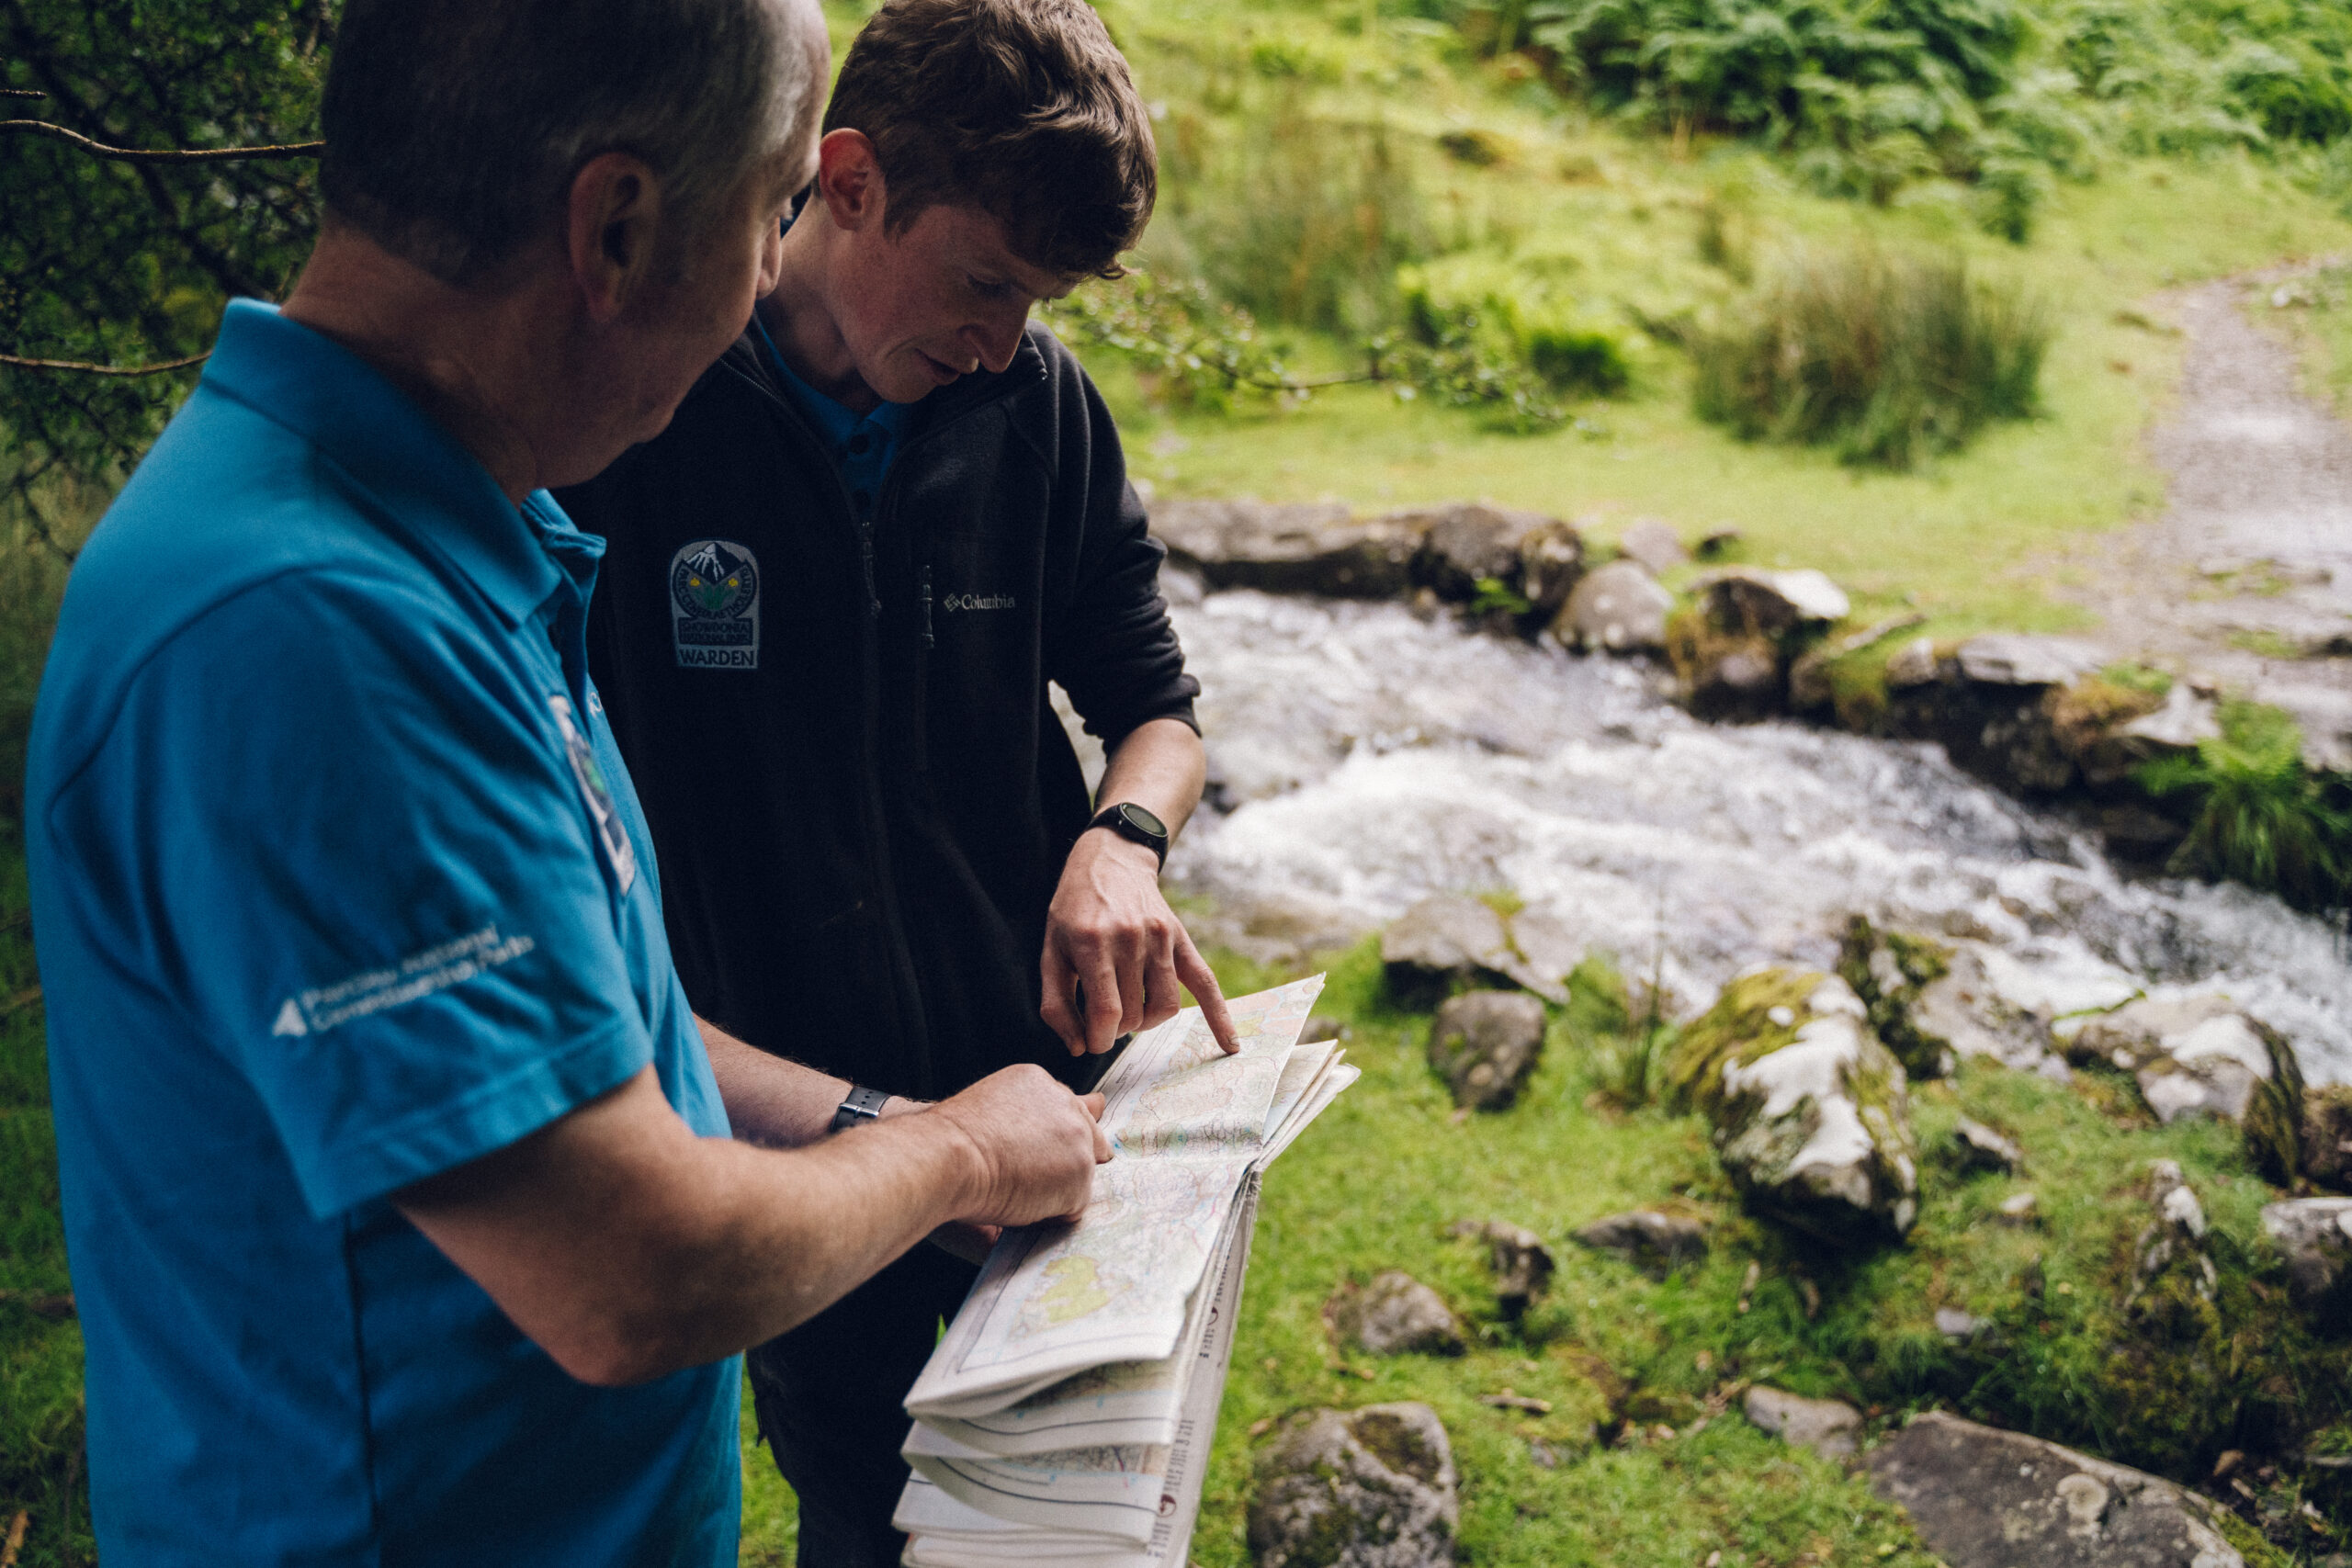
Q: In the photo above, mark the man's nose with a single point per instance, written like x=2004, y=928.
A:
x=996, y=338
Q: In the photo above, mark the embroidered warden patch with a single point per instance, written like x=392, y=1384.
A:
x=715, y=606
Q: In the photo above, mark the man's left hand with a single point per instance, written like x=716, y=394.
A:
x=1116, y=953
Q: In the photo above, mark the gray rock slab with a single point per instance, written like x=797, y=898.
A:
x=2018, y=659
x=1369, y=1488
x=1985, y=1498
x=1655, y=1242
x=1486, y=1044
x=1394, y=1314
x=1464, y=543
x=1617, y=608
x=1543, y=948
x=1827, y=1427
x=1913, y=664
x=1290, y=549
x=1445, y=936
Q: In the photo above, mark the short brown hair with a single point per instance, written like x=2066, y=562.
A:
x=1022, y=108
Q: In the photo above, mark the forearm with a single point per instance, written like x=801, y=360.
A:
x=700, y=1247
x=1160, y=766
x=773, y=1101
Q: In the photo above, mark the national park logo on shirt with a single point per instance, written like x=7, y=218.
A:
x=715, y=606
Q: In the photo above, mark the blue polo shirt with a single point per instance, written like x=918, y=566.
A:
x=862, y=444
x=338, y=882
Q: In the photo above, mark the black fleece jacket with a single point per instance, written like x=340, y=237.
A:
x=860, y=796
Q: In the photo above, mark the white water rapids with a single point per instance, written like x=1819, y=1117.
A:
x=1366, y=759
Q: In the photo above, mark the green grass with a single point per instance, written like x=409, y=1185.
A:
x=1573, y=223
x=1373, y=1185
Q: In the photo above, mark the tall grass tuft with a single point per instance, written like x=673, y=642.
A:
x=1888, y=360
x=1305, y=221
x=2262, y=818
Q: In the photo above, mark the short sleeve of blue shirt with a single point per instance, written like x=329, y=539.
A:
x=376, y=900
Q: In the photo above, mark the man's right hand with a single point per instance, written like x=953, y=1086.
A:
x=1036, y=1146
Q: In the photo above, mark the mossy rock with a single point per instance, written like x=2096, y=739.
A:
x=1888, y=969
x=1809, y=1113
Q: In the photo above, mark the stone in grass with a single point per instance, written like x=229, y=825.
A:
x=1982, y=1148
x=1617, y=608
x=1769, y=603
x=2170, y=1268
x=1654, y=1242
x=1394, y=1314
x=1827, y=1426
x=1959, y=1326
x=2011, y=659
x=1809, y=1113
x=2203, y=1057
x=1369, y=1488
x=1486, y=1044
x=1985, y=1498
x=1443, y=941
x=1653, y=542
x=2314, y=1235
x=1522, y=1264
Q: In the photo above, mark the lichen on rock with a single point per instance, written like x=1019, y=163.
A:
x=1809, y=1113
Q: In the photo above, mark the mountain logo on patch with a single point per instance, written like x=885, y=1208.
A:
x=715, y=606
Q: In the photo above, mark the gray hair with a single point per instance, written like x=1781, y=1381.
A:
x=454, y=126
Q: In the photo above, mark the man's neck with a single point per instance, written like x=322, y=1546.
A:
x=453, y=350
x=799, y=317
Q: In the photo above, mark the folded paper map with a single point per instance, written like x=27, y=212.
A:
x=1068, y=1412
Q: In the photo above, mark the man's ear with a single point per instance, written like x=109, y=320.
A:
x=849, y=179
x=612, y=229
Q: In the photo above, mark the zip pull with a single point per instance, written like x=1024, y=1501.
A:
x=924, y=591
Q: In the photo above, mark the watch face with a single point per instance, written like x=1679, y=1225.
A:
x=1138, y=816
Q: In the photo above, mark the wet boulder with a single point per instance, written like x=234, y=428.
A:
x=1964, y=1008
x=1913, y=664
x=1442, y=941
x=1888, y=970
x=1523, y=1265
x=2314, y=1235
x=1394, y=1314
x=1617, y=608
x=1827, y=1427
x=1543, y=950
x=1290, y=549
x=1728, y=677
x=1551, y=560
x=1485, y=1045
x=2325, y=1143
x=2202, y=1057
x=1654, y=1242
x=1809, y=1113
x=1985, y=1498
x=1369, y=1488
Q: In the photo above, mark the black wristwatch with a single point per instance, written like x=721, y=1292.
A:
x=1133, y=822
x=863, y=1105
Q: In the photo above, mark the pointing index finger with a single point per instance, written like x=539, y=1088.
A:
x=1201, y=981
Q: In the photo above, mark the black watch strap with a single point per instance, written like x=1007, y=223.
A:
x=1136, y=825
x=863, y=1105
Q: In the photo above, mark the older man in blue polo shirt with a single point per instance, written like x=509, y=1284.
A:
x=404, y=1224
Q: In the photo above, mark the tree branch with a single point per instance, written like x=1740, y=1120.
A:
x=88, y=368
x=159, y=154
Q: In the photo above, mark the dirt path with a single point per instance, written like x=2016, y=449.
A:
x=2247, y=580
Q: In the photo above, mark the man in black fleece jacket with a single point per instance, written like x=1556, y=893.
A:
x=835, y=590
